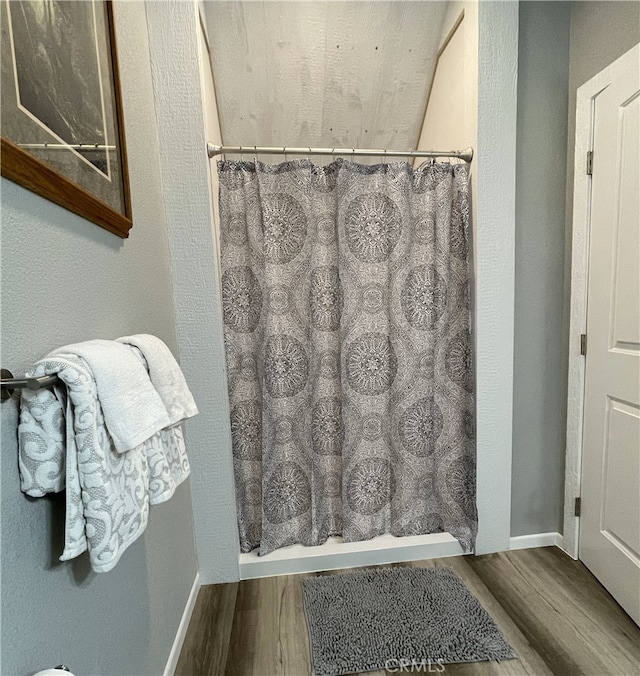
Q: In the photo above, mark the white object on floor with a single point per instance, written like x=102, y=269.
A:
x=133, y=410
x=166, y=376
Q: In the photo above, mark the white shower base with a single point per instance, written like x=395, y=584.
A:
x=338, y=554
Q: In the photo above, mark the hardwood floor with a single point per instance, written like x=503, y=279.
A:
x=555, y=614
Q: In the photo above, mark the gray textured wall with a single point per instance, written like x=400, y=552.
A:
x=327, y=74
x=173, y=30
x=539, y=398
x=562, y=45
x=66, y=280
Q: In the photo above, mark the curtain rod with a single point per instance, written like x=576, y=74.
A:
x=213, y=150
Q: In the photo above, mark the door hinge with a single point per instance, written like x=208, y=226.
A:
x=590, y=163
x=583, y=344
x=576, y=507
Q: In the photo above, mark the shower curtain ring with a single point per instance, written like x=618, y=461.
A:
x=309, y=155
x=255, y=154
x=241, y=156
x=284, y=152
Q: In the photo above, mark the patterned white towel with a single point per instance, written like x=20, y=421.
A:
x=63, y=443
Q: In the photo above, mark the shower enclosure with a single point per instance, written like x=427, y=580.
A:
x=492, y=307
x=345, y=295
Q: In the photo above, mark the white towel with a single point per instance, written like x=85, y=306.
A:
x=63, y=442
x=166, y=376
x=133, y=410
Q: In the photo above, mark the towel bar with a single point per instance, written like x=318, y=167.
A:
x=9, y=384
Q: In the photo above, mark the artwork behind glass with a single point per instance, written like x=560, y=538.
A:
x=60, y=99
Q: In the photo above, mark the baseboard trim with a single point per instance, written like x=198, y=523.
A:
x=335, y=554
x=535, y=540
x=174, y=655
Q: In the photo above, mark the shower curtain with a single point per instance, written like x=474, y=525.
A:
x=345, y=292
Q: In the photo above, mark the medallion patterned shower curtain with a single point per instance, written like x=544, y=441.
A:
x=345, y=294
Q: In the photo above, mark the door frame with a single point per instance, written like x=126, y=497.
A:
x=581, y=224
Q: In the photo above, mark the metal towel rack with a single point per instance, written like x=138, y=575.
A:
x=9, y=384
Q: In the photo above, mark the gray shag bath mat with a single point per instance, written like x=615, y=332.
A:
x=395, y=619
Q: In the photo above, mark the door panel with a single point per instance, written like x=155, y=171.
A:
x=626, y=325
x=620, y=520
x=610, y=520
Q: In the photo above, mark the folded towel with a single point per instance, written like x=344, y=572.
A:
x=166, y=376
x=132, y=408
x=64, y=442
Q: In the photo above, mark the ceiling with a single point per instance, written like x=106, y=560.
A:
x=328, y=74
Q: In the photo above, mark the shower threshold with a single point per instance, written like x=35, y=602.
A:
x=335, y=554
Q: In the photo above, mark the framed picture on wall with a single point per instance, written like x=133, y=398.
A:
x=61, y=111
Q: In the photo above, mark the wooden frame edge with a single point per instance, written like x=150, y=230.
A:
x=122, y=135
x=22, y=168
x=26, y=170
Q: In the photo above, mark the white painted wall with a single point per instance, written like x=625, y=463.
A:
x=450, y=120
x=212, y=121
x=173, y=43
x=336, y=74
x=444, y=121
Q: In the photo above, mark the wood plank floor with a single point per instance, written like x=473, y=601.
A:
x=555, y=614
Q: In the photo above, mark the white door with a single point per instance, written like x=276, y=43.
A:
x=610, y=519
